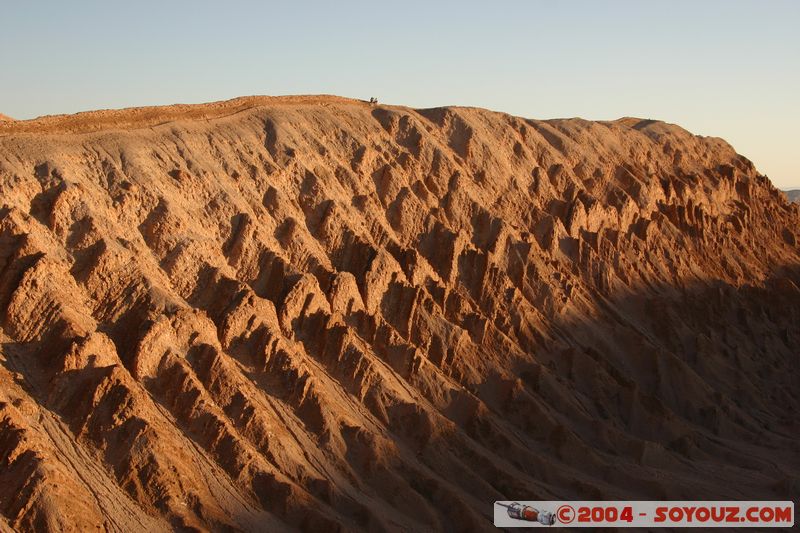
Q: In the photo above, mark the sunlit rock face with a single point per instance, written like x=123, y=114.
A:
x=316, y=313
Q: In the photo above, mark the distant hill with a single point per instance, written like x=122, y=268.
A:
x=793, y=195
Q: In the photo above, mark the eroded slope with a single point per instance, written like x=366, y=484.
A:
x=319, y=314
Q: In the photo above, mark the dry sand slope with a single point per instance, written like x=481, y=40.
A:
x=311, y=313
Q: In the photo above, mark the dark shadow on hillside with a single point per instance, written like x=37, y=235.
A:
x=667, y=393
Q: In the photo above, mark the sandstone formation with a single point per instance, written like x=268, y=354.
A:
x=311, y=313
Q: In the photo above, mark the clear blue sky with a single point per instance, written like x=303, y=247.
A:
x=727, y=68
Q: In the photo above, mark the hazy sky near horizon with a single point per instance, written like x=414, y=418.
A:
x=728, y=68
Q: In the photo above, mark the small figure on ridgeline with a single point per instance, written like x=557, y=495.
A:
x=373, y=101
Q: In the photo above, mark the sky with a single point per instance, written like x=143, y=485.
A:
x=727, y=68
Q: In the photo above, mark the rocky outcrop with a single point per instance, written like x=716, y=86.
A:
x=314, y=313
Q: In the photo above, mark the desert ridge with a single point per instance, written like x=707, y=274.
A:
x=315, y=313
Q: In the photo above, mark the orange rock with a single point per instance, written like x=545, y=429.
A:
x=314, y=313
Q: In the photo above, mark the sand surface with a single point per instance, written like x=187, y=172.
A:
x=313, y=313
